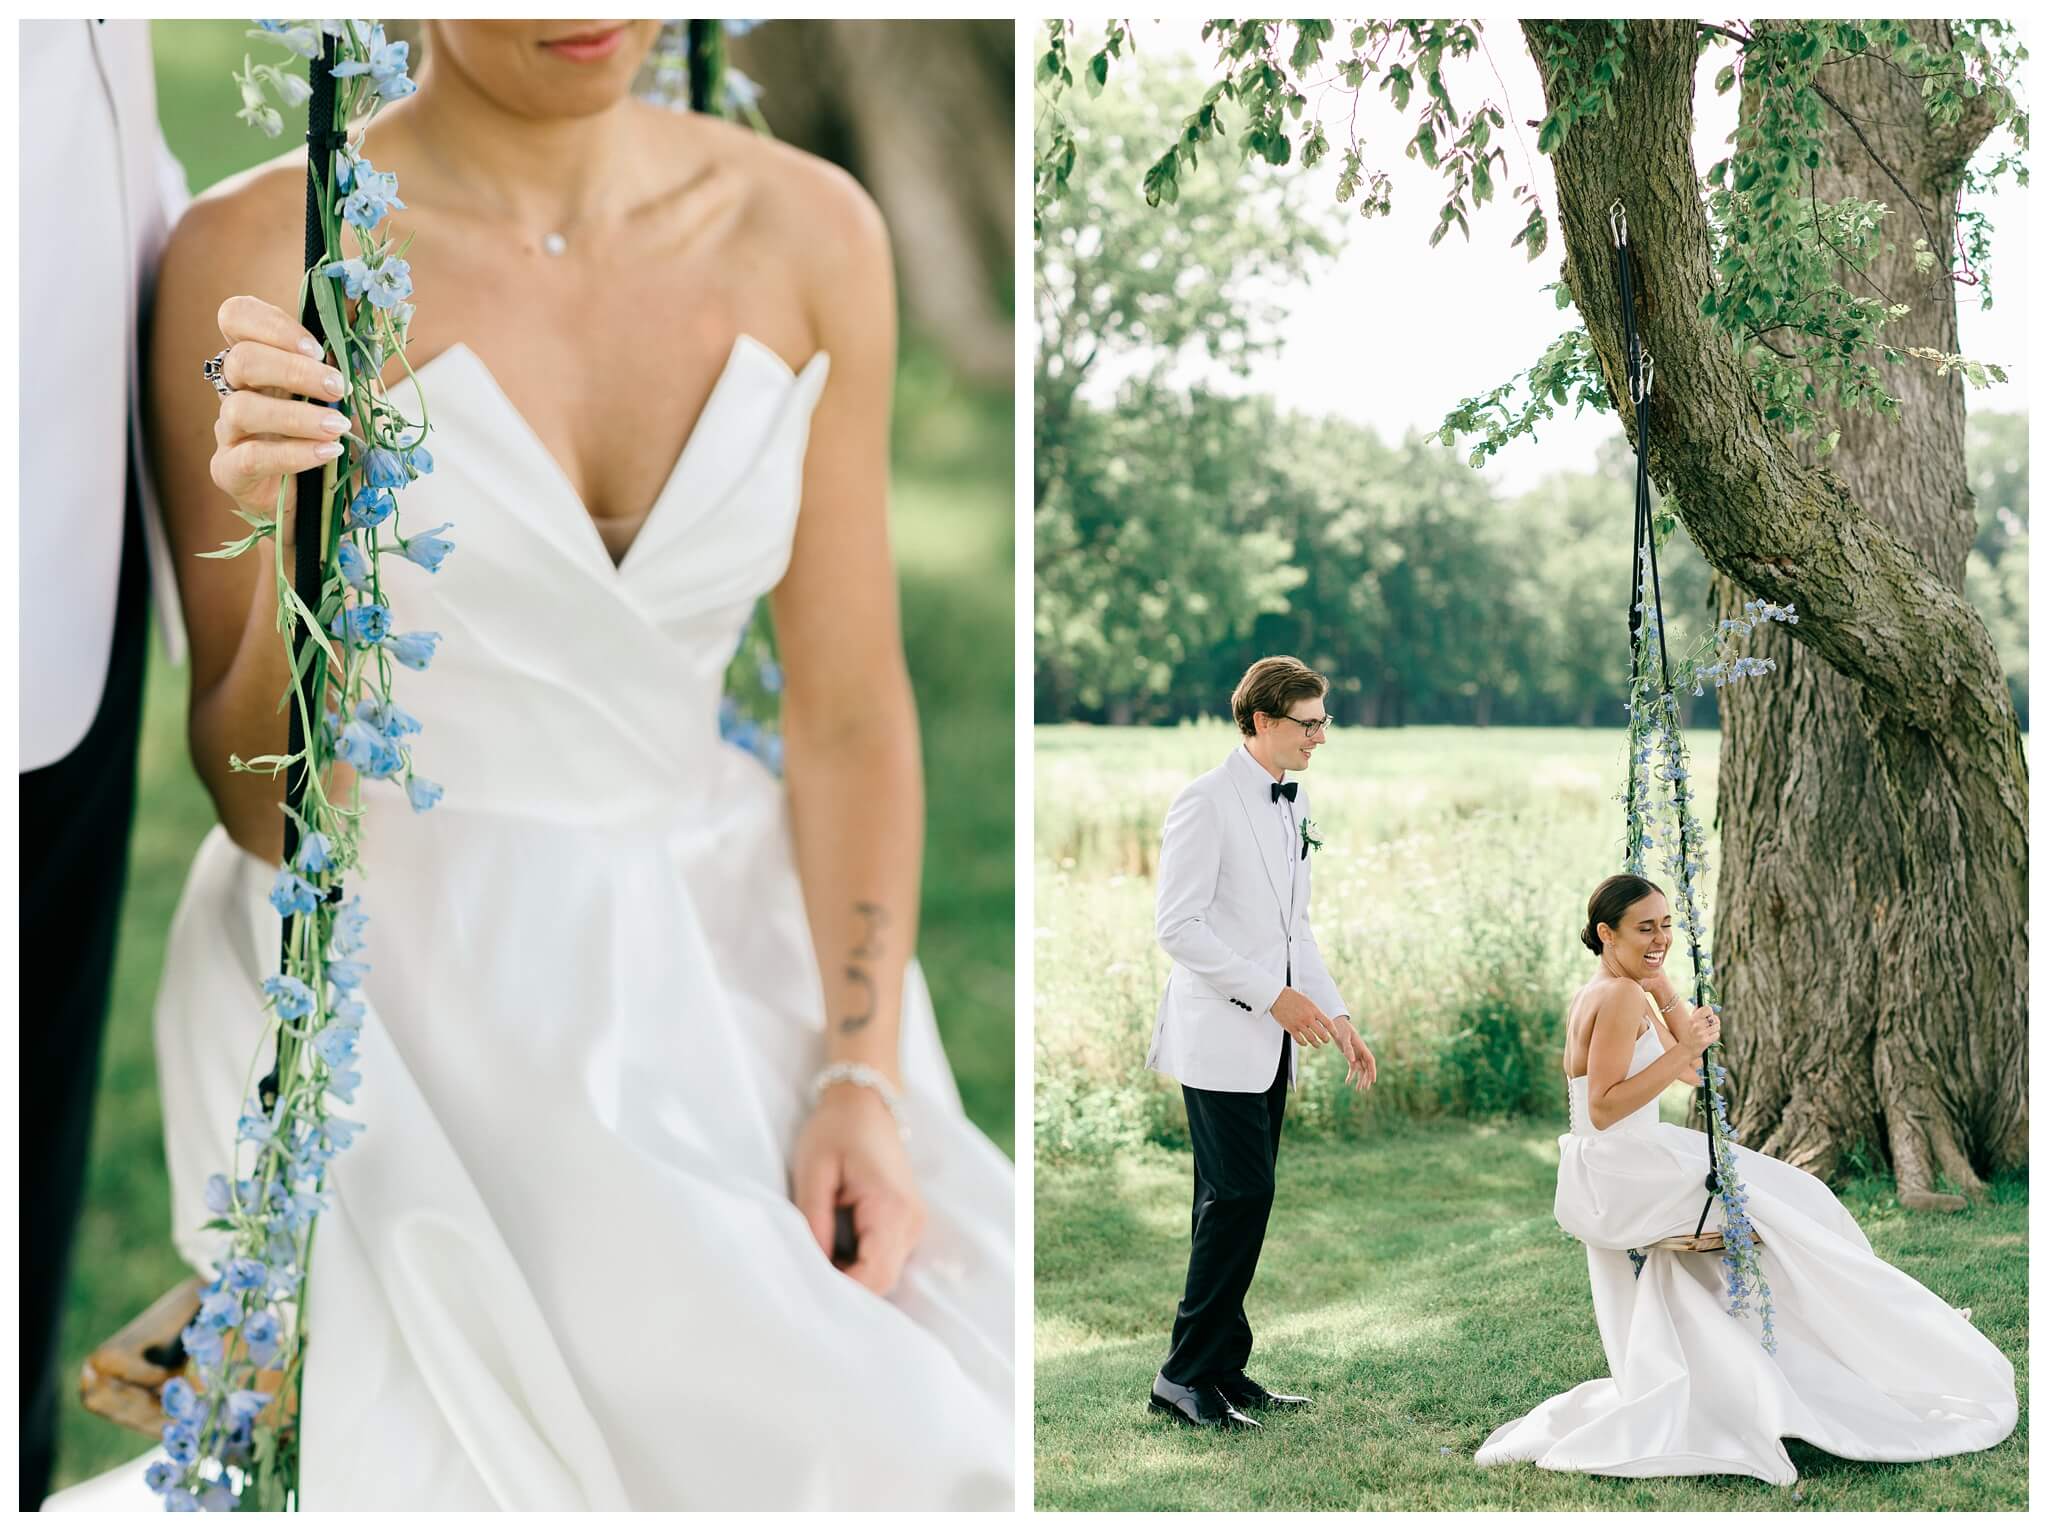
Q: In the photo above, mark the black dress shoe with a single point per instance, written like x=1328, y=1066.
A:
x=1201, y=1406
x=1241, y=1392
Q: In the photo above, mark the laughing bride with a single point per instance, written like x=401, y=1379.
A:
x=643, y=1017
x=1859, y=1359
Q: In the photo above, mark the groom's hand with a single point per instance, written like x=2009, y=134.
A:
x=851, y=1155
x=1360, y=1070
x=1299, y=1017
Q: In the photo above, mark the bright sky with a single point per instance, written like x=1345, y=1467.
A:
x=1393, y=333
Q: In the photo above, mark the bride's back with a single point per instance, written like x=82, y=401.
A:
x=1600, y=991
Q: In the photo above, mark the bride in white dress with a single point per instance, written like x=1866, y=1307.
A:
x=580, y=1256
x=1868, y=1364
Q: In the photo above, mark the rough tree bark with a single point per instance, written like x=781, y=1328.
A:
x=1872, y=937
x=922, y=113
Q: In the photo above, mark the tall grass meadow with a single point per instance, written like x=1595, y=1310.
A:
x=1447, y=902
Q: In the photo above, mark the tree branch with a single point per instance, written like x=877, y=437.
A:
x=1781, y=527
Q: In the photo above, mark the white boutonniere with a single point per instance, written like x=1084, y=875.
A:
x=1310, y=841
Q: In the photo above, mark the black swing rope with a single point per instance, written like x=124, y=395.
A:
x=309, y=554
x=1641, y=370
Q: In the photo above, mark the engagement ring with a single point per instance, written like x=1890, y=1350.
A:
x=214, y=369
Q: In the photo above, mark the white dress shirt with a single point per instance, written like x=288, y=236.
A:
x=99, y=193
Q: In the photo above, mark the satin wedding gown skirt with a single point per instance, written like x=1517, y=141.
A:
x=1870, y=1365
x=562, y=1269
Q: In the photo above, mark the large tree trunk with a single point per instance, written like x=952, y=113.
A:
x=922, y=112
x=1873, y=800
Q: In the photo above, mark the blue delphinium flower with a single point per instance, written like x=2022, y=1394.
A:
x=302, y=40
x=385, y=66
x=203, y=1344
x=161, y=1477
x=350, y=923
x=390, y=282
x=292, y=90
x=181, y=1499
x=219, y=1194
x=413, y=650
x=363, y=625
x=253, y=1126
x=372, y=194
x=771, y=676
x=738, y=28
x=347, y=973
x=216, y=1494
x=388, y=718
x=292, y=894
x=181, y=1402
x=428, y=549
x=423, y=794
x=291, y=998
x=371, y=507
x=246, y=1404
x=316, y=853
x=353, y=273
x=181, y=1445
x=259, y=1334
x=342, y=1084
x=340, y=1132
x=368, y=751
x=384, y=469
x=245, y=1275
x=219, y=1310
x=420, y=460
x=336, y=1045
x=353, y=567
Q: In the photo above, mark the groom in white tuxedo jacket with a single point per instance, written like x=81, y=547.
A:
x=1246, y=988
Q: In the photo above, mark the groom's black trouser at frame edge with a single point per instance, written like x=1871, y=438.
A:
x=1237, y=1145
x=75, y=818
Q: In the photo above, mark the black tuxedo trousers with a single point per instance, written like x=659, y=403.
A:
x=1236, y=1137
x=75, y=817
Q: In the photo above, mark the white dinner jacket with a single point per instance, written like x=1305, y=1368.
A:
x=99, y=193
x=1226, y=885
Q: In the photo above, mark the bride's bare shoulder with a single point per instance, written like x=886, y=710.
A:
x=244, y=234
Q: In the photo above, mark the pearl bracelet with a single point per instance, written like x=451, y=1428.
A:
x=869, y=1078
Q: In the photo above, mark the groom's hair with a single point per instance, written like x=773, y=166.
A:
x=1273, y=686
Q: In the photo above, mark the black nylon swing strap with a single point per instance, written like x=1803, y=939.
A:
x=309, y=502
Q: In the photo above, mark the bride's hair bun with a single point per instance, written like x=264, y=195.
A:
x=1610, y=902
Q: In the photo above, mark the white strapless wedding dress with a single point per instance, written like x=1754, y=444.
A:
x=1870, y=1365
x=562, y=1270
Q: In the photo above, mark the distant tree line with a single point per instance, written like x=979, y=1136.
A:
x=1189, y=532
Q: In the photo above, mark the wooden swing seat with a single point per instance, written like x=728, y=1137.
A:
x=123, y=1380
x=1707, y=1242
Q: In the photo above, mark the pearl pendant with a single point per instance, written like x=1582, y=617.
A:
x=554, y=244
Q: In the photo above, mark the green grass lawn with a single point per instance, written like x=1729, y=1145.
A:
x=1416, y=1286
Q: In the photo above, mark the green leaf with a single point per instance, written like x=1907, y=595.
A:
x=1550, y=135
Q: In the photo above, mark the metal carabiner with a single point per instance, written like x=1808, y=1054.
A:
x=1617, y=222
x=1646, y=370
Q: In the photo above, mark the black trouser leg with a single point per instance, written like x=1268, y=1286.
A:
x=1237, y=1145
x=75, y=817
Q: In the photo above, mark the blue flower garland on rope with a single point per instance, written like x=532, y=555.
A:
x=230, y=1438
x=1656, y=754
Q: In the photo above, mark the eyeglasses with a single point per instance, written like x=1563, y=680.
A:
x=1313, y=727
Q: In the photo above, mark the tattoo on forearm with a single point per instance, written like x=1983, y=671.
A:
x=865, y=950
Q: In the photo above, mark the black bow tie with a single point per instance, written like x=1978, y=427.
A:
x=1285, y=789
